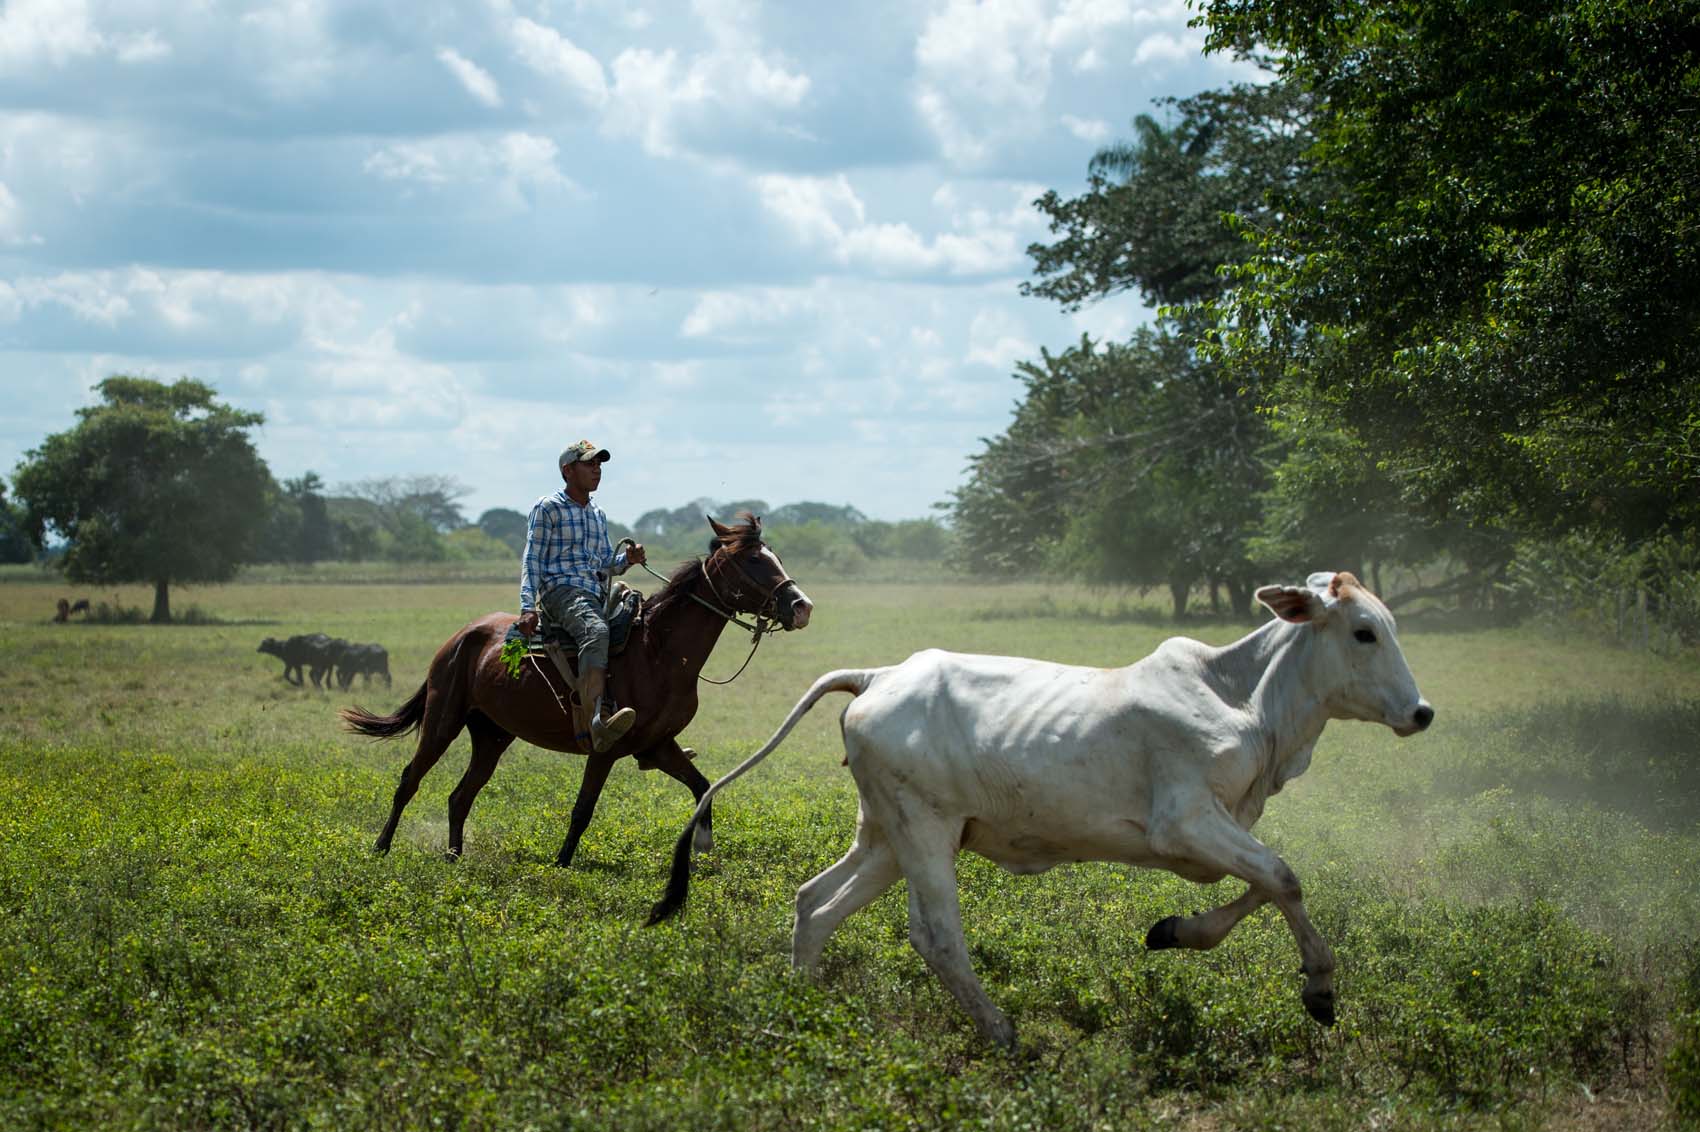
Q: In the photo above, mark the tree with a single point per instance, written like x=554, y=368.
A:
x=1126, y=463
x=158, y=483
x=15, y=544
x=400, y=500
x=299, y=527
x=505, y=526
x=1502, y=292
x=1152, y=215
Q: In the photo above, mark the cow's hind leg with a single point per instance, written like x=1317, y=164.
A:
x=1213, y=841
x=1203, y=930
x=925, y=849
x=488, y=743
x=855, y=881
x=436, y=732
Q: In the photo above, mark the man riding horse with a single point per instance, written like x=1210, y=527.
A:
x=568, y=561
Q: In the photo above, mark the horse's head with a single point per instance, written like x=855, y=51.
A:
x=749, y=577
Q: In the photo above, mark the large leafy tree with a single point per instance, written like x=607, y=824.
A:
x=1127, y=462
x=157, y=483
x=1153, y=216
x=1502, y=288
x=1147, y=458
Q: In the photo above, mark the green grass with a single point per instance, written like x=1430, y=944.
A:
x=195, y=933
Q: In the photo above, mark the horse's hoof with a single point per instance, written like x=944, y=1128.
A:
x=1162, y=934
x=1321, y=1006
x=452, y=855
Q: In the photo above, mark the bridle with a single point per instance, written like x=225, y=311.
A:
x=766, y=620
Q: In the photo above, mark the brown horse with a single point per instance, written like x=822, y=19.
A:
x=468, y=685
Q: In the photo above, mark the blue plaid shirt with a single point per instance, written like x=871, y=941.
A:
x=566, y=545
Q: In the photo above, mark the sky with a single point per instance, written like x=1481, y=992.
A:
x=767, y=251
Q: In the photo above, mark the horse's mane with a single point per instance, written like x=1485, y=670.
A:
x=745, y=536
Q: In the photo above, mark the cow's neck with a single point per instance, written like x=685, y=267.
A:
x=1270, y=666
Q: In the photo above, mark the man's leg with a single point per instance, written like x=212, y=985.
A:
x=581, y=616
x=605, y=729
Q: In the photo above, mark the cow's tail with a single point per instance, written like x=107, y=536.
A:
x=404, y=719
x=852, y=680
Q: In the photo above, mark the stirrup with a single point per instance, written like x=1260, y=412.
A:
x=604, y=733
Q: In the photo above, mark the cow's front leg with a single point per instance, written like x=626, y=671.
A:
x=1207, y=839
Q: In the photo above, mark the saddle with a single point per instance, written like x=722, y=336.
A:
x=620, y=609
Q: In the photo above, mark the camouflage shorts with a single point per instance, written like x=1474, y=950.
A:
x=580, y=615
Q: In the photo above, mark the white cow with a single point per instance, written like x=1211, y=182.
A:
x=1165, y=763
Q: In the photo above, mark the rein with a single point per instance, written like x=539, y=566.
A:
x=762, y=626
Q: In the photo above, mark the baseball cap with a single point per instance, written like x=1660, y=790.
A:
x=583, y=450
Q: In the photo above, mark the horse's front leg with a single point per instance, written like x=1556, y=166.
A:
x=675, y=761
x=596, y=768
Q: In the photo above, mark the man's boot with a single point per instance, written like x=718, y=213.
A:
x=577, y=709
x=604, y=733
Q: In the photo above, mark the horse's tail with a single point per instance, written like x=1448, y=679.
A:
x=852, y=680
x=402, y=720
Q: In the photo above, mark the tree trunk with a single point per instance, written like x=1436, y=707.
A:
x=1239, y=598
x=1178, y=591
x=161, y=603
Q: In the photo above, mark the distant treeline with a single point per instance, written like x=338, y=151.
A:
x=419, y=519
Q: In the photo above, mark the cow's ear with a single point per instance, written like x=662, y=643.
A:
x=1292, y=603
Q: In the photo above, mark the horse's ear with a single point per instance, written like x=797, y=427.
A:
x=718, y=528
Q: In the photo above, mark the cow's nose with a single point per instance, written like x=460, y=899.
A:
x=1424, y=717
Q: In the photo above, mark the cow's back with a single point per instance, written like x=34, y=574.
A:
x=1042, y=762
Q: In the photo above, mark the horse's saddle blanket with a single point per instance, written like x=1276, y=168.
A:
x=619, y=609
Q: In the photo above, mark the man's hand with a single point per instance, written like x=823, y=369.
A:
x=635, y=554
x=528, y=623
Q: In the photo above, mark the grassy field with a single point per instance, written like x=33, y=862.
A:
x=196, y=934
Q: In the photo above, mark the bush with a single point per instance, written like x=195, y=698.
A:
x=1682, y=1066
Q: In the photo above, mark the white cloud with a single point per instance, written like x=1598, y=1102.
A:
x=1166, y=48
x=826, y=215
x=984, y=71
x=477, y=81
x=147, y=47
x=59, y=31
x=998, y=339
x=1093, y=130
x=667, y=100
x=550, y=53
x=51, y=31
x=12, y=220
x=517, y=165
x=289, y=48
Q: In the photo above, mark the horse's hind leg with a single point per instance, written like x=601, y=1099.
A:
x=436, y=731
x=488, y=743
x=669, y=758
x=596, y=769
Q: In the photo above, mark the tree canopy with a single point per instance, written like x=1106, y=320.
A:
x=1502, y=286
x=157, y=484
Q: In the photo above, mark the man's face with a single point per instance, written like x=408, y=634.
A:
x=584, y=475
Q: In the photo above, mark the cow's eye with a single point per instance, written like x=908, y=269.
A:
x=1367, y=636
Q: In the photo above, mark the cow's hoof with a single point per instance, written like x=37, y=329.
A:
x=1001, y=1033
x=1162, y=934
x=1320, y=1006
